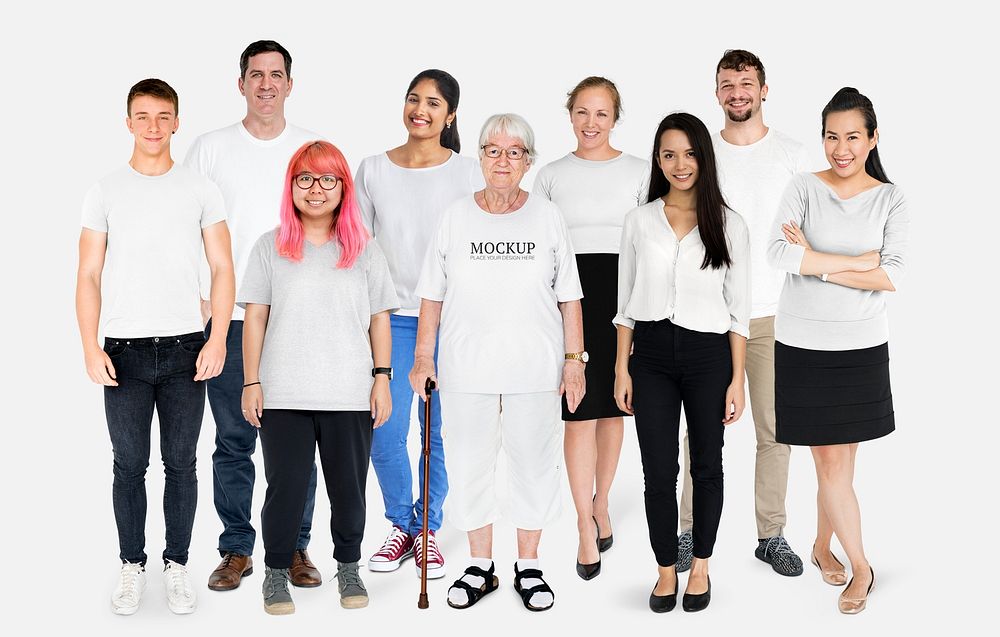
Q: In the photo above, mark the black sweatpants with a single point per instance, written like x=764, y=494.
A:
x=673, y=366
x=289, y=438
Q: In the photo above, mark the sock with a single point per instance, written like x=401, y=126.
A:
x=459, y=596
x=538, y=600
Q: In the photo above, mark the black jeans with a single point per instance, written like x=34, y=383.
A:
x=156, y=372
x=289, y=438
x=672, y=366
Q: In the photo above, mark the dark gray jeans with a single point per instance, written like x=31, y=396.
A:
x=155, y=372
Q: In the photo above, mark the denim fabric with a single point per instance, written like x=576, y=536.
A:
x=232, y=464
x=389, y=456
x=154, y=373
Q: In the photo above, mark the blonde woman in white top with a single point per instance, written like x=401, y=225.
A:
x=594, y=186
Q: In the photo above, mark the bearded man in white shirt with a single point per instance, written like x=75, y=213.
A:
x=755, y=164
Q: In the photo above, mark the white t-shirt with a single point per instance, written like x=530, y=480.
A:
x=501, y=278
x=660, y=277
x=752, y=179
x=401, y=208
x=316, y=353
x=153, y=223
x=251, y=174
x=594, y=197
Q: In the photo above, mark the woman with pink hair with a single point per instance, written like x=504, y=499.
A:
x=316, y=351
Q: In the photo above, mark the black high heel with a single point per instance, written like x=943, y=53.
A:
x=588, y=572
x=603, y=543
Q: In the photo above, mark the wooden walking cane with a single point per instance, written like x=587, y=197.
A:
x=428, y=388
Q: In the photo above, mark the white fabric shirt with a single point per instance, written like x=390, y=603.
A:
x=594, y=197
x=150, y=280
x=501, y=279
x=401, y=208
x=660, y=277
x=753, y=178
x=814, y=314
x=251, y=174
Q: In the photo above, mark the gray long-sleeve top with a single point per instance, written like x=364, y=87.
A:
x=814, y=314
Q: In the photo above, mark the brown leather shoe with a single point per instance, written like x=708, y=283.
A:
x=228, y=574
x=303, y=573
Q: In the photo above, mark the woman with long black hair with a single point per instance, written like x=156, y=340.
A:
x=402, y=193
x=831, y=354
x=683, y=320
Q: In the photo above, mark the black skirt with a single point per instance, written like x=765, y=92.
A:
x=831, y=397
x=599, y=279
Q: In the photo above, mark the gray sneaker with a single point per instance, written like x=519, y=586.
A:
x=776, y=552
x=277, y=599
x=352, y=590
x=685, y=551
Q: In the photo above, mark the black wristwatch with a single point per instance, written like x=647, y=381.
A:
x=382, y=370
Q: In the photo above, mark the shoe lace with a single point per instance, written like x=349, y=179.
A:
x=779, y=548
x=178, y=582
x=130, y=579
x=277, y=580
x=393, y=543
x=349, y=577
x=433, y=553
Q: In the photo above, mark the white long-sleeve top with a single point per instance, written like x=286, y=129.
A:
x=813, y=314
x=660, y=277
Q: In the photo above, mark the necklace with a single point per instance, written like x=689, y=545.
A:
x=504, y=211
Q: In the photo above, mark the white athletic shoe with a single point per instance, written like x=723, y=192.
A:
x=180, y=592
x=128, y=593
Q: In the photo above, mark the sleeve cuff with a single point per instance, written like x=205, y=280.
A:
x=740, y=328
x=624, y=321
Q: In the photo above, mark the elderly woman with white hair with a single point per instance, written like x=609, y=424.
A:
x=500, y=280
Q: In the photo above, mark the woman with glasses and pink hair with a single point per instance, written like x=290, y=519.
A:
x=500, y=280
x=317, y=352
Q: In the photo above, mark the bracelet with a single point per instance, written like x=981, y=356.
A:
x=251, y=384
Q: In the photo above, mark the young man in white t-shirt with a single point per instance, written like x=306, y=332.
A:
x=755, y=164
x=145, y=227
x=248, y=161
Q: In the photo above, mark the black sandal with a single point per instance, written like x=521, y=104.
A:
x=475, y=594
x=526, y=593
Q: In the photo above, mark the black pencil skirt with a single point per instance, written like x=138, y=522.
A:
x=599, y=280
x=831, y=397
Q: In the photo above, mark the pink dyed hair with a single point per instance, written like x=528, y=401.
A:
x=322, y=158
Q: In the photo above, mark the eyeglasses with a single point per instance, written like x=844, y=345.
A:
x=326, y=182
x=514, y=153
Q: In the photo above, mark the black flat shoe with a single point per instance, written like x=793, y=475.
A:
x=695, y=603
x=664, y=603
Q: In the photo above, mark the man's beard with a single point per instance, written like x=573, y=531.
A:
x=740, y=117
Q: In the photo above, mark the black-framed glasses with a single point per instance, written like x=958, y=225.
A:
x=514, y=153
x=326, y=182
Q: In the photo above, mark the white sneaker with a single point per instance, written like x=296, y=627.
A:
x=180, y=592
x=128, y=592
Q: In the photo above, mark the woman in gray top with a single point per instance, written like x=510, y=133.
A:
x=831, y=352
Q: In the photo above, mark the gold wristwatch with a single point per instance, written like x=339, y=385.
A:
x=583, y=356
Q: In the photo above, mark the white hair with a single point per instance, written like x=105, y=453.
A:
x=512, y=124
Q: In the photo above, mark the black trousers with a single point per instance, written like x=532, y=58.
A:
x=289, y=438
x=672, y=366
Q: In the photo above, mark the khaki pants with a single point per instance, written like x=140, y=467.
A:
x=771, y=474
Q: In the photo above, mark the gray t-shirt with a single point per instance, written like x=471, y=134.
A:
x=317, y=354
x=154, y=224
x=813, y=314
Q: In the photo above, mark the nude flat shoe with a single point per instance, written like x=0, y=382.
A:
x=836, y=577
x=854, y=606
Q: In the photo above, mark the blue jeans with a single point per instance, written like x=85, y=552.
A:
x=235, y=442
x=389, y=457
x=154, y=373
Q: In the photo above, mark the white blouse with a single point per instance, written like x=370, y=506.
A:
x=660, y=277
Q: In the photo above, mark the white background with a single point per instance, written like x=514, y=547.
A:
x=925, y=490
